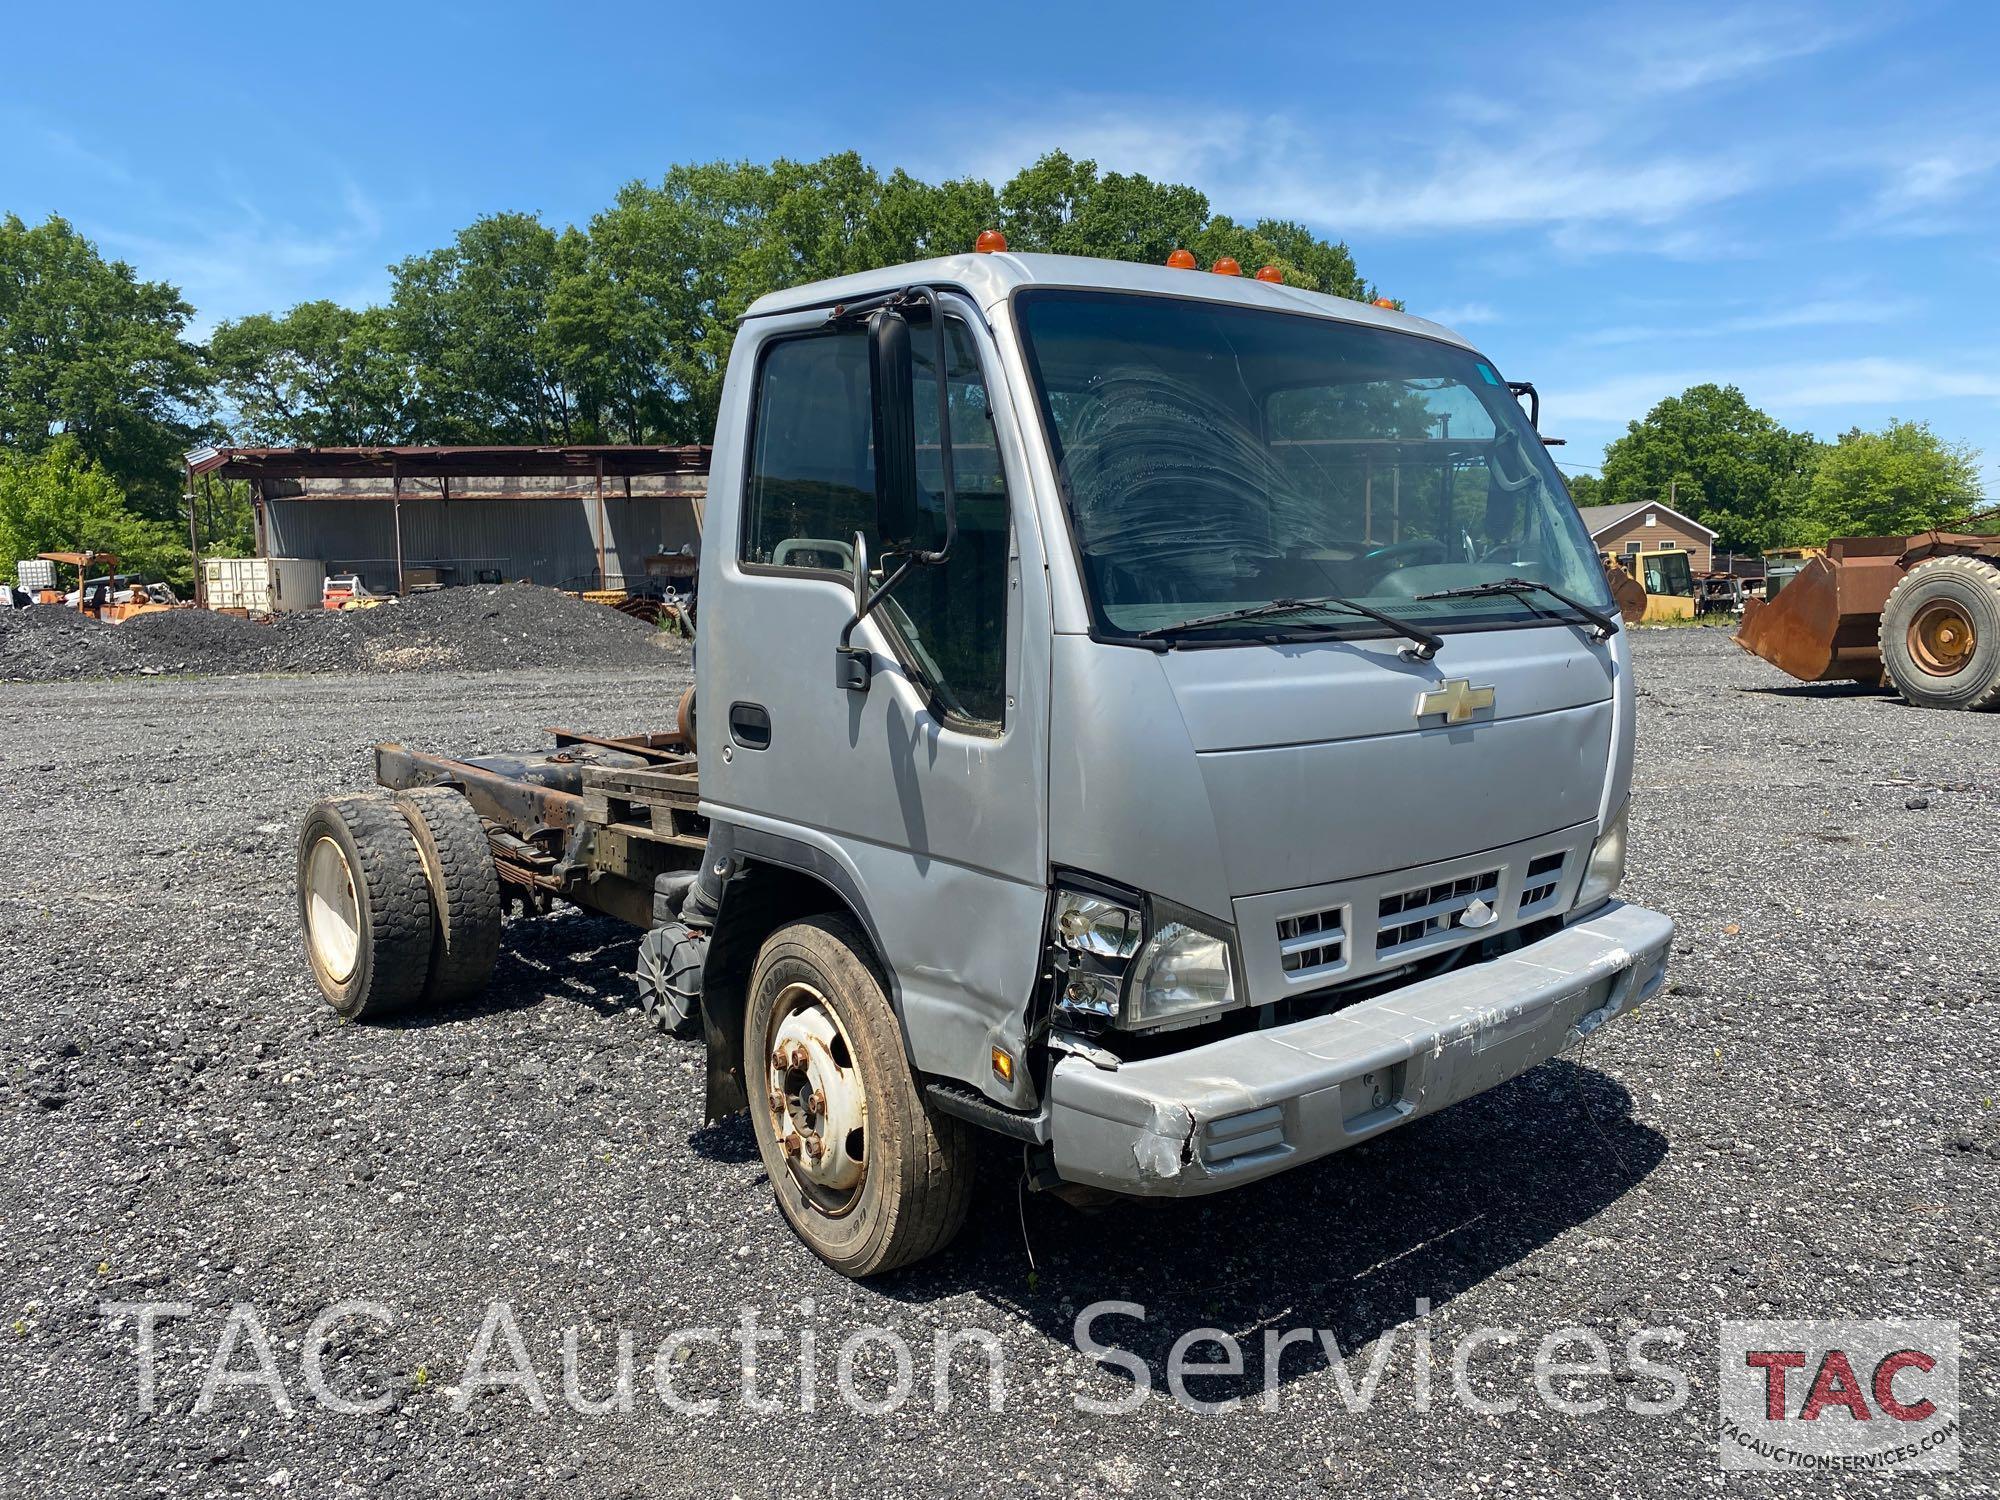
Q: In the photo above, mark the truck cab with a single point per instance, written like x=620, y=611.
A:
x=1221, y=757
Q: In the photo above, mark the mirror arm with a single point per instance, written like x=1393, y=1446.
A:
x=854, y=666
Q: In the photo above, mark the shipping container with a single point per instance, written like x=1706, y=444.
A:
x=262, y=585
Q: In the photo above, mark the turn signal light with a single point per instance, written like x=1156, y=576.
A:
x=1003, y=1065
x=1270, y=273
x=1227, y=267
x=990, y=242
x=1388, y=302
x=1182, y=260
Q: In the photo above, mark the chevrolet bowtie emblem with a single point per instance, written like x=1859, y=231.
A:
x=1455, y=698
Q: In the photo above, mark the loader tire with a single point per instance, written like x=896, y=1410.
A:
x=1941, y=634
x=465, y=892
x=871, y=1179
x=364, y=905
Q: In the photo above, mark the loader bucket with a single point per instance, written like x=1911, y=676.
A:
x=1626, y=591
x=1824, y=625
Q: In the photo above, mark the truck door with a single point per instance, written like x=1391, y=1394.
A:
x=927, y=792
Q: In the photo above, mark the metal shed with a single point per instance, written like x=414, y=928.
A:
x=583, y=517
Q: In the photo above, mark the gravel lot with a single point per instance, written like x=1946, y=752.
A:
x=1803, y=1127
x=486, y=628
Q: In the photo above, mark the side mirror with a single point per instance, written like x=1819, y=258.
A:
x=892, y=374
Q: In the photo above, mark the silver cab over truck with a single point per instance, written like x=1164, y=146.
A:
x=1173, y=722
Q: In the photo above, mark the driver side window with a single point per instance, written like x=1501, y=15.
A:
x=811, y=486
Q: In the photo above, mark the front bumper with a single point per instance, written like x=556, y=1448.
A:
x=1236, y=1110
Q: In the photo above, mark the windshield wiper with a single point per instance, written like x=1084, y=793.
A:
x=1603, y=625
x=1426, y=642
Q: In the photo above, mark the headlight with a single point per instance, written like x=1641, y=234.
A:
x=1134, y=962
x=1182, y=972
x=1096, y=925
x=1607, y=864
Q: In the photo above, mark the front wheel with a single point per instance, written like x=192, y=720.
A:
x=868, y=1176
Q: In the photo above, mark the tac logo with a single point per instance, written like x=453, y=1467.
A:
x=1864, y=1396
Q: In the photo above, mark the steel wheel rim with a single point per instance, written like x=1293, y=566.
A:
x=333, y=913
x=815, y=1099
x=1941, y=638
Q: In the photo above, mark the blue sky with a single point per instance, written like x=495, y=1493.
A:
x=1614, y=202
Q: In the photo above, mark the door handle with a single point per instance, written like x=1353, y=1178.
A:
x=750, y=725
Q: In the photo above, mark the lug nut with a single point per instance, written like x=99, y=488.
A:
x=789, y=1144
x=815, y=1147
x=817, y=1103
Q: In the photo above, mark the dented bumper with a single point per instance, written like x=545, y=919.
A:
x=1236, y=1110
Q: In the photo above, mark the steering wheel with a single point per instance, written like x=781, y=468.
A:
x=1402, y=554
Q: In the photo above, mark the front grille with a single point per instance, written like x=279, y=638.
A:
x=1313, y=943
x=1410, y=917
x=1314, y=938
x=1543, y=880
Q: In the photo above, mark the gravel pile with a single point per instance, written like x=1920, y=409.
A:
x=496, y=628
x=1804, y=1126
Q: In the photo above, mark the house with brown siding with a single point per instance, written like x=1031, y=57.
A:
x=1645, y=526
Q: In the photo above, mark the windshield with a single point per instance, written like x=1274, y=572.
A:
x=1216, y=458
x=1668, y=573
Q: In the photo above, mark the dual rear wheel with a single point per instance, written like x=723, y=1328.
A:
x=399, y=901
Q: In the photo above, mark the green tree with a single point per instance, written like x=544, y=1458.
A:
x=1712, y=455
x=90, y=352
x=61, y=500
x=471, y=324
x=1902, y=479
x=1585, y=489
x=321, y=375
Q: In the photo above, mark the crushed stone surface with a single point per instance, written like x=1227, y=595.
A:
x=1802, y=1125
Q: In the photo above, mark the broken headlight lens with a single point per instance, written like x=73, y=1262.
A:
x=1096, y=925
x=1182, y=973
x=1607, y=864
x=1134, y=962
x=1092, y=937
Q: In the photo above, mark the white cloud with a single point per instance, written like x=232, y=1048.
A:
x=1464, y=315
x=1923, y=190
x=230, y=258
x=1799, y=386
x=1563, y=172
x=1821, y=312
x=1694, y=51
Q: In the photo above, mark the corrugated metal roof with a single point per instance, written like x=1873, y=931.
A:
x=617, y=460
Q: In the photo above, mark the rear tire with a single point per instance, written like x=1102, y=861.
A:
x=1941, y=634
x=465, y=892
x=364, y=905
x=891, y=1180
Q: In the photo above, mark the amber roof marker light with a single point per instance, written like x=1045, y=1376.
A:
x=1227, y=266
x=1388, y=302
x=1271, y=273
x=1182, y=260
x=990, y=242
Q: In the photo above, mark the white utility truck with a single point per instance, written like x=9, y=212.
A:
x=1172, y=722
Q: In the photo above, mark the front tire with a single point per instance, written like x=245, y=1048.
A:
x=867, y=1175
x=1941, y=634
